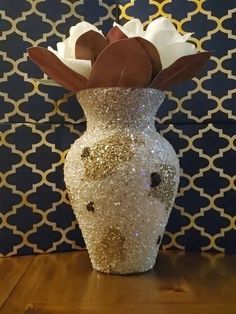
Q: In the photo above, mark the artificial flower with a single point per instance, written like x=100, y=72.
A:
x=128, y=56
x=170, y=44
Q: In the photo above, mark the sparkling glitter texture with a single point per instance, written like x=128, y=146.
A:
x=122, y=178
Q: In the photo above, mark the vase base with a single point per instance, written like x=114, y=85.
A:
x=133, y=262
x=124, y=271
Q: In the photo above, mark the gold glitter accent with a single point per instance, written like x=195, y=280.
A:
x=138, y=140
x=106, y=155
x=110, y=250
x=165, y=191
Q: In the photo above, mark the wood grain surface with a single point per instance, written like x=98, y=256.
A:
x=11, y=272
x=65, y=283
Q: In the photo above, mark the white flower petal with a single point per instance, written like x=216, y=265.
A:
x=187, y=36
x=82, y=67
x=135, y=27
x=53, y=50
x=48, y=82
x=78, y=30
x=125, y=31
x=64, y=50
x=160, y=24
x=175, y=51
x=163, y=38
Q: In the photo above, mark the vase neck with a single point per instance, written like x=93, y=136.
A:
x=120, y=108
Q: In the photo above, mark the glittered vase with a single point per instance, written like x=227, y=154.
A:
x=122, y=178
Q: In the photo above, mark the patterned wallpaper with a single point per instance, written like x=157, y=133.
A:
x=39, y=123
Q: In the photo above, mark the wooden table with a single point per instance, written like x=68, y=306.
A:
x=181, y=283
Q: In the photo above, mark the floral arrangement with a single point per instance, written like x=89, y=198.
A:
x=128, y=56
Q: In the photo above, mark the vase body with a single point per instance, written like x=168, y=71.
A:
x=122, y=178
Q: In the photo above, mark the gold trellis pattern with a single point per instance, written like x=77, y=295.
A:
x=38, y=124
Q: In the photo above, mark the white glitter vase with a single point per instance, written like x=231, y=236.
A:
x=122, y=178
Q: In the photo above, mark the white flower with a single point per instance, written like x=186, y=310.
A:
x=170, y=44
x=132, y=28
x=66, y=49
x=82, y=67
x=87, y=59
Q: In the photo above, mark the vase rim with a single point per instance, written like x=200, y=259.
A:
x=121, y=88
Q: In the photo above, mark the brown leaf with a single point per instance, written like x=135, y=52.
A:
x=115, y=34
x=153, y=54
x=50, y=64
x=89, y=45
x=122, y=63
x=181, y=70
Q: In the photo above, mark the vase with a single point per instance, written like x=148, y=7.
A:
x=122, y=178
